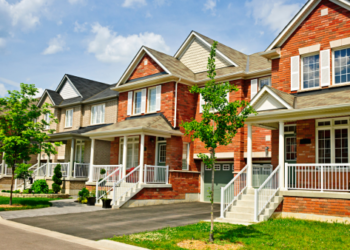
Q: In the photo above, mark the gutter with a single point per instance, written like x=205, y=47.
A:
x=176, y=102
x=141, y=129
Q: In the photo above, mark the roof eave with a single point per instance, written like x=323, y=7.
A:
x=271, y=54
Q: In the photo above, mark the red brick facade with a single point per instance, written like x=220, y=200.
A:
x=146, y=67
x=320, y=206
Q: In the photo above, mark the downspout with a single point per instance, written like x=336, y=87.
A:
x=176, y=102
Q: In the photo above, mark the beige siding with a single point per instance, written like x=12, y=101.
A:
x=102, y=152
x=68, y=91
x=196, y=57
x=111, y=109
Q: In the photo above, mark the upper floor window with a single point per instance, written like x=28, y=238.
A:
x=47, y=119
x=98, y=114
x=152, y=100
x=311, y=71
x=264, y=81
x=69, y=118
x=138, y=102
x=342, y=66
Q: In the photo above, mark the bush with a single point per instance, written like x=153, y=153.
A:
x=40, y=187
x=83, y=195
x=16, y=192
x=56, y=186
x=27, y=191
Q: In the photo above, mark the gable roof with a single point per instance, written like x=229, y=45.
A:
x=298, y=19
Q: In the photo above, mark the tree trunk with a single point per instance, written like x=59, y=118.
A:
x=12, y=179
x=211, y=236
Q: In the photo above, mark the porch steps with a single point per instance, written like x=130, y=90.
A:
x=242, y=211
x=126, y=191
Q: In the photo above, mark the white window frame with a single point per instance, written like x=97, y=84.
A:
x=263, y=78
x=207, y=168
x=285, y=151
x=217, y=167
x=148, y=100
x=226, y=165
x=103, y=112
x=47, y=119
x=80, y=153
x=71, y=120
x=188, y=156
x=332, y=129
x=302, y=70
x=333, y=66
x=134, y=103
x=289, y=132
x=135, y=140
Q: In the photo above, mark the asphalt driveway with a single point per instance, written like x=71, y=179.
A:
x=107, y=223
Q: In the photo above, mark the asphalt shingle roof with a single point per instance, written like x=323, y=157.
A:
x=80, y=131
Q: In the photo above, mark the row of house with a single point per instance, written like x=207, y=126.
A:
x=297, y=143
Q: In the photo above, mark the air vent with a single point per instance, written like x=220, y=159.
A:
x=324, y=12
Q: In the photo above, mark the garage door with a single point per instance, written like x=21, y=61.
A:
x=223, y=175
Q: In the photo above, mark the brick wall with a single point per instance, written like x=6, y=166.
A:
x=150, y=150
x=146, y=67
x=114, y=152
x=182, y=184
x=315, y=29
x=306, y=130
x=320, y=206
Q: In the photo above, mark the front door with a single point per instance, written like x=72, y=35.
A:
x=161, y=157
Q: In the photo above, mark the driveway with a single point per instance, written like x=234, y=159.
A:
x=107, y=223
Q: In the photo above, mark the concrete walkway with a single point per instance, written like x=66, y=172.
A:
x=59, y=207
x=99, y=225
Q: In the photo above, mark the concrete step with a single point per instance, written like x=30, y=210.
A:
x=245, y=203
x=250, y=191
x=241, y=216
x=233, y=221
x=239, y=209
x=248, y=197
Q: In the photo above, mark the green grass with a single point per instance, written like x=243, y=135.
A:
x=272, y=234
x=29, y=203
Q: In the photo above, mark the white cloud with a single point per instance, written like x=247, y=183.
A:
x=10, y=82
x=3, y=90
x=2, y=42
x=41, y=91
x=56, y=45
x=210, y=5
x=134, y=3
x=80, y=27
x=274, y=14
x=110, y=47
x=25, y=13
x=148, y=15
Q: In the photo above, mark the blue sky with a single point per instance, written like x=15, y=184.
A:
x=41, y=40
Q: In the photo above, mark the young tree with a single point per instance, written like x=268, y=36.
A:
x=20, y=133
x=56, y=186
x=220, y=120
x=23, y=173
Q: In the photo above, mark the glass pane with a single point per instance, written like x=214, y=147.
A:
x=138, y=102
x=342, y=66
x=184, y=156
x=152, y=100
x=311, y=71
x=162, y=153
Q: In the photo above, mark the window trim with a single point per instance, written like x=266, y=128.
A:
x=333, y=66
x=285, y=150
x=289, y=132
x=135, y=141
x=263, y=78
x=302, y=70
x=104, y=108
x=148, y=100
x=134, y=103
x=226, y=164
x=65, y=124
x=332, y=129
x=47, y=119
x=188, y=156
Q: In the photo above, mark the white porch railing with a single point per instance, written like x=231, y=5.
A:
x=156, y=174
x=322, y=177
x=81, y=170
x=8, y=170
x=41, y=171
x=126, y=184
x=64, y=168
x=107, y=184
x=96, y=171
x=266, y=192
x=232, y=190
x=260, y=174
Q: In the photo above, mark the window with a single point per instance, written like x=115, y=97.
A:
x=162, y=153
x=137, y=103
x=152, y=100
x=79, y=151
x=342, y=66
x=264, y=81
x=291, y=148
x=311, y=71
x=207, y=168
x=290, y=129
x=98, y=114
x=332, y=141
x=132, y=154
x=69, y=118
x=47, y=119
x=226, y=167
x=185, y=154
x=217, y=167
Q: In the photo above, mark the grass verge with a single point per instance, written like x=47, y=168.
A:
x=272, y=234
x=25, y=203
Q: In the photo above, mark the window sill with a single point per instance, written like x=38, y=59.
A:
x=311, y=89
x=97, y=124
x=339, y=85
x=148, y=113
x=68, y=127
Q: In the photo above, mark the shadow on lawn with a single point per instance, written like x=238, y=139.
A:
x=242, y=232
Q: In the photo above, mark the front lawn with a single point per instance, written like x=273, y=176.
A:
x=24, y=203
x=272, y=234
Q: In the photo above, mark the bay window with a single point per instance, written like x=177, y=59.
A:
x=98, y=114
x=311, y=71
x=69, y=118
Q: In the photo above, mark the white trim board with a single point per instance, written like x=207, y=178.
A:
x=266, y=90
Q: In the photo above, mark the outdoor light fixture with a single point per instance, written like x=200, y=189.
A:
x=267, y=151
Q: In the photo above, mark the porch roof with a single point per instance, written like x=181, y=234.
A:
x=75, y=134
x=154, y=124
x=274, y=103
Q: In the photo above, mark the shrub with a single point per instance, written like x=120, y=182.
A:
x=16, y=192
x=83, y=194
x=56, y=186
x=40, y=187
x=26, y=191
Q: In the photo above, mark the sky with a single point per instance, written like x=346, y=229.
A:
x=41, y=40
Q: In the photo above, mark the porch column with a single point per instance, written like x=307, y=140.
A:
x=71, y=159
x=91, y=167
x=281, y=154
x=142, y=156
x=48, y=173
x=249, y=158
x=125, y=148
x=3, y=164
